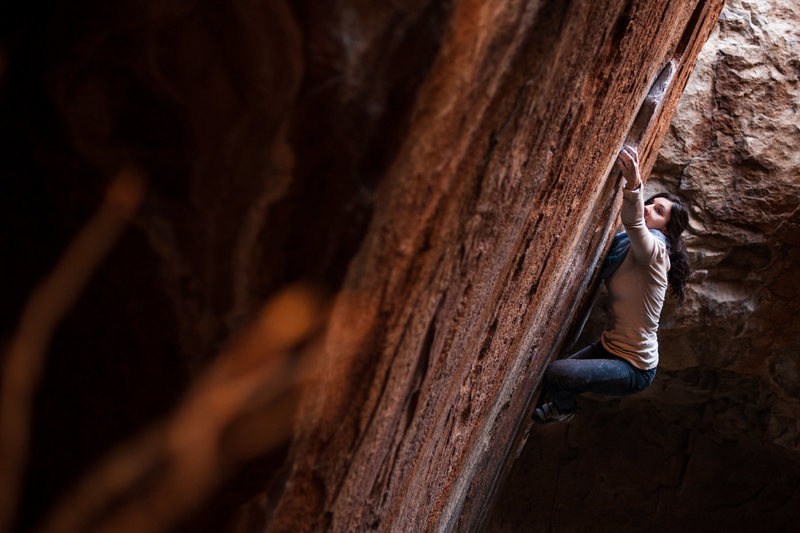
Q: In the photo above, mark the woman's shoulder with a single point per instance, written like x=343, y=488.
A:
x=660, y=249
x=659, y=235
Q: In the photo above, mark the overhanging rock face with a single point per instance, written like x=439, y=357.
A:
x=715, y=439
x=442, y=168
x=487, y=226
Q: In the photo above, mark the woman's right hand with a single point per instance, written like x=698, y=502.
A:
x=628, y=163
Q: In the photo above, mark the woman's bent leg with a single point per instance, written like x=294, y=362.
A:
x=566, y=378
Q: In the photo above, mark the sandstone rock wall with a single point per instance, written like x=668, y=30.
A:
x=457, y=295
x=734, y=152
x=713, y=444
x=440, y=168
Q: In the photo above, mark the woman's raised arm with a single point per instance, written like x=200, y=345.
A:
x=643, y=243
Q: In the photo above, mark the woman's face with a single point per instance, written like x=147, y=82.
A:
x=656, y=214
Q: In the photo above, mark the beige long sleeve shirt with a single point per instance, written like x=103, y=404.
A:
x=636, y=290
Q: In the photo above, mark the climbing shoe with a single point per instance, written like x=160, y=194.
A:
x=548, y=413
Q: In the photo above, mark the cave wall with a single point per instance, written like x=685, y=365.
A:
x=739, y=166
x=440, y=169
x=460, y=292
x=635, y=465
x=713, y=444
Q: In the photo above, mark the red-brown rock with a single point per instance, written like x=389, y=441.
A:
x=442, y=169
x=713, y=444
x=486, y=228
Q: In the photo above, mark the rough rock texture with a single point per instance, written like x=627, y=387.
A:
x=441, y=168
x=734, y=154
x=715, y=443
x=635, y=465
x=426, y=397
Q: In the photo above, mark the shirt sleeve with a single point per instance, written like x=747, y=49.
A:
x=643, y=243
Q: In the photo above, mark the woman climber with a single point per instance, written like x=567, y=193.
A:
x=643, y=261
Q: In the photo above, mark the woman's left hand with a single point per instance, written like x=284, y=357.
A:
x=628, y=163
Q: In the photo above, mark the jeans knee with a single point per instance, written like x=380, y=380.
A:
x=557, y=371
x=641, y=379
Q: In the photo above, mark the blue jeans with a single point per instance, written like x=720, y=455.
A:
x=593, y=369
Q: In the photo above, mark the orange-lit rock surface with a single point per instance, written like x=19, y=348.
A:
x=440, y=169
x=457, y=297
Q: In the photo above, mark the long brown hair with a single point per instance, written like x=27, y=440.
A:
x=679, y=269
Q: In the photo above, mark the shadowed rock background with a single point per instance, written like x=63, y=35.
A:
x=714, y=444
x=439, y=173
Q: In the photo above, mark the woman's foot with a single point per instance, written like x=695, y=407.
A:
x=548, y=413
